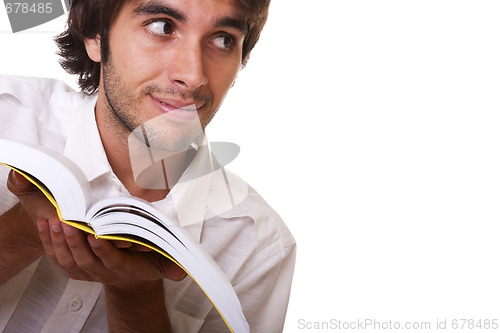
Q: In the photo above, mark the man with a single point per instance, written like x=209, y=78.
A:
x=161, y=67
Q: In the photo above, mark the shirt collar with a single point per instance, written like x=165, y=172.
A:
x=203, y=191
x=83, y=144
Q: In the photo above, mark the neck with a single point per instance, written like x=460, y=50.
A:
x=146, y=172
x=152, y=177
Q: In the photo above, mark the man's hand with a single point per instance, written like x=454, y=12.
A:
x=32, y=199
x=132, y=277
x=19, y=241
x=132, y=274
x=82, y=256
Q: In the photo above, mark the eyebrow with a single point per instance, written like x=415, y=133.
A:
x=231, y=22
x=154, y=7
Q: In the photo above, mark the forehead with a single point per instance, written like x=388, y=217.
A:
x=222, y=7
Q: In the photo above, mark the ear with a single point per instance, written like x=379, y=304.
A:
x=93, y=46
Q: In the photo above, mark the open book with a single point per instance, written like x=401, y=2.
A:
x=121, y=218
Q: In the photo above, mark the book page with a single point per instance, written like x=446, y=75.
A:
x=47, y=169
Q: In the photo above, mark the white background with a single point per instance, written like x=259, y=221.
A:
x=372, y=127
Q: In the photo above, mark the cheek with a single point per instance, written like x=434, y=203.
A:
x=223, y=79
x=129, y=57
x=135, y=67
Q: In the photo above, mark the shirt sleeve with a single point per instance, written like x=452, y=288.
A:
x=263, y=291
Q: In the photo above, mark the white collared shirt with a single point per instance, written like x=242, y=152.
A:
x=246, y=238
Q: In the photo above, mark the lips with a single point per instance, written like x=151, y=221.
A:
x=177, y=110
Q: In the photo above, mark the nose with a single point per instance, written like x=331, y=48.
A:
x=187, y=66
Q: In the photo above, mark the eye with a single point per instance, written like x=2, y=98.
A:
x=223, y=42
x=161, y=27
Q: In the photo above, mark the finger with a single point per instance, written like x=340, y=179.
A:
x=81, y=252
x=16, y=183
x=63, y=254
x=44, y=234
x=120, y=244
x=44, y=230
x=127, y=265
x=111, y=257
x=171, y=270
x=140, y=248
x=32, y=199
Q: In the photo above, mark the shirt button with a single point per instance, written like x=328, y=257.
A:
x=75, y=304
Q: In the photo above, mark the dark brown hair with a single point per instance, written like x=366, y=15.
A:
x=89, y=18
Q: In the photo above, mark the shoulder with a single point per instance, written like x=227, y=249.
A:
x=28, y=88
x=38, y=93
x=41, y=104
x=40, y=110
x=271, y=233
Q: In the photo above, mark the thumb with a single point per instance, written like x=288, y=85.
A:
x=19, y=185
x=172, y=271
x=32, y=199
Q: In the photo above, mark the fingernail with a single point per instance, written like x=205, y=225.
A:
x=68, y=230
x=19, y=180
x=93, y=241
x=55, y=225
x=41, y=225
x=13, y=177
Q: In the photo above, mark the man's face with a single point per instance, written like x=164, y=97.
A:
x=171, y=62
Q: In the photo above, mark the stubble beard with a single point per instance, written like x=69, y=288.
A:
x=159, y=132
